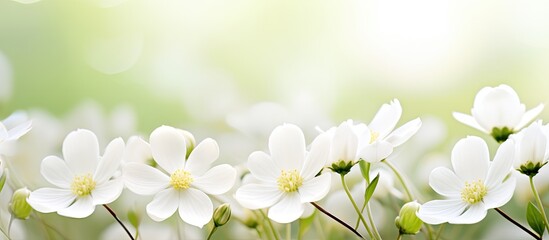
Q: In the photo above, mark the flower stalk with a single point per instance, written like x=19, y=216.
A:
x=118, y=220
x=539, y=202
x=346, y=188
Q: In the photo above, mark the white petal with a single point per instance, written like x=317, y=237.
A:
x=470, y=159
x=202, y=156
x=81, y=208
x=143, y=179
x=163, y=205
x=168, y=148
x=529, y=116
x=317, y=157
x=441, y=211
x=195, y=207
x=19, y=130
x=287, y=146
x=48, y=200
x=56, y=171
x=474, y=214
x=81, y=151
x=532, y=144
x=288, y=209
x=386, y=118
x=217, y=180
x=107, y=192
x=256, y=196
x=376, y=151
x=137, y=150
x=110, y=162
x=502, y=164
x=15, y=119
x=262, y=167
x=403, y=133
x=344, y=143
x=501, y=194
x=469, y=121
x=445, y=182
x=497, y=107
x=3, y=132
x=315, y=189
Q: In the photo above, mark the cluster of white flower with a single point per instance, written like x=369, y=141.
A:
x=292, y=178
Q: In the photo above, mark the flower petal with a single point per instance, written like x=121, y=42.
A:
x=386, y=118
x=262, y=167
x=469, y=121
x=344, y=143
x=19, y=130
x=3, y=132
x=376, y=151
x=81, y=208
x=403, y=133
x=195, y=207
x=474, y=214
x=256, y=196
x=529, y=116
x=110, y=162
x=287, y=147
x=470, y=159
x=501, y=194
x=217, y=180
x=163, y=205
x=81, y=151
x=202, y=156
x=143, y=179
x=56, y=171
x=168, y=148
x=107, y=192
x=288, y=209
x=502, y=164
x=48, y=200
x=317, y=157
x=137, y=150
x=531, y=145
x=441, y=211
x=315, y=189
x=445, y=182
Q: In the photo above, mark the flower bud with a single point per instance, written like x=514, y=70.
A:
x=250, y=219
x=222, y=214
x=407, y=221
x=18, y=205
x=189, y=140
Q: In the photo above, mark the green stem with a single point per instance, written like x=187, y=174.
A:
x=211, y=233
x=540, y=204
x=355, y=206
x=401, y=180
x=318, y=226
x=371, y=219
x=289, y=231
x=440, y=231
x=399, y=236
x=336, y=219
x=517, y=224
x=273, y=230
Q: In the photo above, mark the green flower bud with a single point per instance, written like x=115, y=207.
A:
x=407, y=221
x=250, y=220
x=18, y=205
x=222, y=214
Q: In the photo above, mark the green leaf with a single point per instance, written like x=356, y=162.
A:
x=370, y=189
x=365, y=170
x=535, y=219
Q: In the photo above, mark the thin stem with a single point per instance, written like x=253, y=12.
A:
x=401, y=180
x=318, y=226
x=540, y=204
x=273, y=230
x=337, y=219
x=440, y=231
x=355, y=206
x=517, y=224
x=118, y=220
x=371, y=219
x=259, y=233
x=289, y=231
x=47, y=226
x=399, y=236
x=211, y=232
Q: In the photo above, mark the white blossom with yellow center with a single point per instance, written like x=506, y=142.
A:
x=181, y=179
x=84, y=178
x=475, y=185
x=286, y=179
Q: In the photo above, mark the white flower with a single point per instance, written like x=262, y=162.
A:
x=499, y=108
x=378, y=138
x=287, y=177
x=84, y=179
x=185, y=182
x=14, y=126
x=475, y=185
x=531, y=148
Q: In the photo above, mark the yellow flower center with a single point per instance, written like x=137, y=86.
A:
x=83, y=185
x=373, y=136
x=181, y=179
x=289, y=181
x=473, y=191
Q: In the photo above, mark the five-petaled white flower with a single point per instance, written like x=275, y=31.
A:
x=287, y=178
x=184, y=182
x=476, y=185
x=84, y=178
x=499, y=112
x=378, y=138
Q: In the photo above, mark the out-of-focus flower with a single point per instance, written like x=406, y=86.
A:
x=19, y=206
x=379, y=139
x=84, y=179
x=498, y=112
x=287, y=177
x=531, y=149
x=14, y=126
x=185, y=182
x=475, y=185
